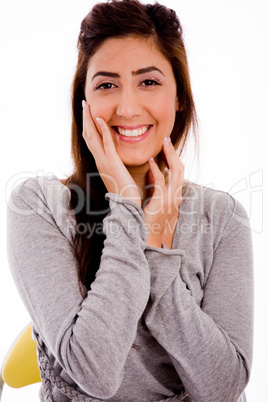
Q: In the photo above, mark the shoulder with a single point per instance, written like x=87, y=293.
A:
x=218, y=208
x=46, y=188
x=44, y=196
x=204, y=199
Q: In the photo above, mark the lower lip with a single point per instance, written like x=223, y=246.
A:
x=132, y=140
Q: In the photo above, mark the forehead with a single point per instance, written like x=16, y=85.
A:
x=129, y=53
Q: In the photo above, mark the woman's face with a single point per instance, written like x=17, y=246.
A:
x=132, y=87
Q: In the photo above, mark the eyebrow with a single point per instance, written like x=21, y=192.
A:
x=138, y=72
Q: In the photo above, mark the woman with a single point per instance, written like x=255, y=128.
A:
x=138, y=284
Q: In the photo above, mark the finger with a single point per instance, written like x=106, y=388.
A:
x=156, y=173
x=150, y=183
x=172, y=157
x=90, y=132
x=108, y=142
x=175, y=176
x=155, y=190
x=175, y=166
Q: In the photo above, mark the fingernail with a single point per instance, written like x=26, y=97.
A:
x=151, y=159
x=99, y=120
x=83, y=104
x=167, y=140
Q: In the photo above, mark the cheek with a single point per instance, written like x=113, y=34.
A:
x=95, y=109
x=166, y=116
x=165, y=107
x=98, y=107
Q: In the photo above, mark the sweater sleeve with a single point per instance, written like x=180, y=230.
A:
x=210, y=345
x=89, y=337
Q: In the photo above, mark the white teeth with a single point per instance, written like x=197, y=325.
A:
x=132, y=133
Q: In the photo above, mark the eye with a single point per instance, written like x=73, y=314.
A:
x=104, y=86
x=151, y=82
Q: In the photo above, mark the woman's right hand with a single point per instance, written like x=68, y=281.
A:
x=113, y=172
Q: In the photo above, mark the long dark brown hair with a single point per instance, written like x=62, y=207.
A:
x=118, y=18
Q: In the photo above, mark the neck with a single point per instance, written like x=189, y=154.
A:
x=139, y=175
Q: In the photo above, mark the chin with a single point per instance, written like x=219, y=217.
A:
x=135, y=164
x=133, y=160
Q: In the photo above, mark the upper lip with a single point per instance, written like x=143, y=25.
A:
x=133, y=127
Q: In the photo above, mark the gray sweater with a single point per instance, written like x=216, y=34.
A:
x=158, y=323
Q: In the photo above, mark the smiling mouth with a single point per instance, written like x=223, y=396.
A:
x=132, y=133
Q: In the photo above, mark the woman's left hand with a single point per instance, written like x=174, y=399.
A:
x=166, y=197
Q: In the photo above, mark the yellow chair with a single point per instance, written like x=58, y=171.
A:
x=20, y=367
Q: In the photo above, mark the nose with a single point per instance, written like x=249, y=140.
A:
x=129, y=104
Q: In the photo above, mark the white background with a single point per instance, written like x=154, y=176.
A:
x=227, y=43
